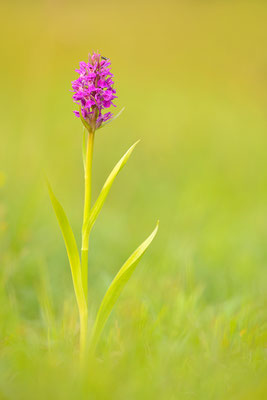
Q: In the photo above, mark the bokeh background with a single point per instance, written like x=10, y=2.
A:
x=191, y=323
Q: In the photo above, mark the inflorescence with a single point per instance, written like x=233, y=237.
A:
x=93, y=91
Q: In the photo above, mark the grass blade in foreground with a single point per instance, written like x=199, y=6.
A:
x=116, y=287
x=106, y=188
x=74, y=260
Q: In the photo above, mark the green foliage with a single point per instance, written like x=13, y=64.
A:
x=71, y=248
x=116, y=287
x=113, y=118
x=123, y=275
x=106, y=188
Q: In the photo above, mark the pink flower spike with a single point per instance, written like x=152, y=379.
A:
x=93, y=90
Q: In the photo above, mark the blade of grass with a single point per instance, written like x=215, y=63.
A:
x=116, y=288
x=105, y=190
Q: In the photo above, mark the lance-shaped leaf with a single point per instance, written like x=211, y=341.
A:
x=113, y=118
x=116, y=287
x=105, y=190
x=72, y=250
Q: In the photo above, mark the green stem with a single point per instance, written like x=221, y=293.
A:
x=83, y=331
x=86, y=212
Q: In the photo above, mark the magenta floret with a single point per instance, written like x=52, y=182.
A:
x=93, y=91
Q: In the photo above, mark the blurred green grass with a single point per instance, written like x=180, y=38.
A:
x=192, y=320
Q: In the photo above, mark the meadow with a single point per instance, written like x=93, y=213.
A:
x=191, y=322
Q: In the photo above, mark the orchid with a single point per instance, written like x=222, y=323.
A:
x=94, y=93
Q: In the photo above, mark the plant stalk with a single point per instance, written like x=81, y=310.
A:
x=83, y=331
x=86, y=212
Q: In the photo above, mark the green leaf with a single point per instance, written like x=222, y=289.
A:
x=105, y=190
x=113, y=118
x=116, y=287
x=72, y=250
